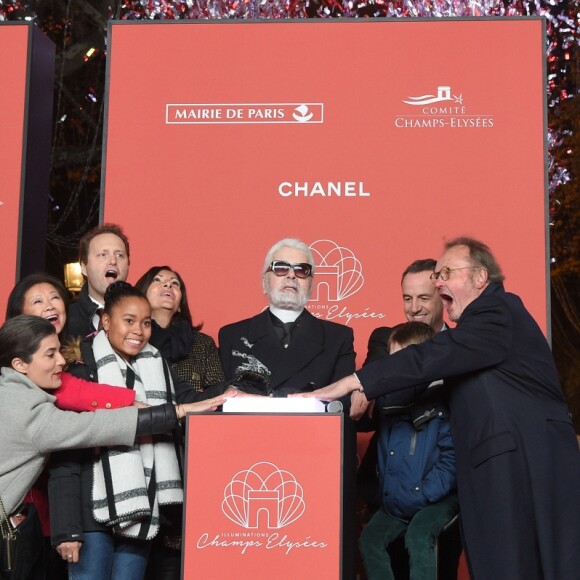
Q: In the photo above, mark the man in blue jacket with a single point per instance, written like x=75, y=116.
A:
x=417, y=480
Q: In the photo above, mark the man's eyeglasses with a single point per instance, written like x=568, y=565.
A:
x=445, y=273
x=281, y=268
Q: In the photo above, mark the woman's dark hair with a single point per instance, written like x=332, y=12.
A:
x=119, y=290
x=20, y=337
x=15, y=303
x=147, y=279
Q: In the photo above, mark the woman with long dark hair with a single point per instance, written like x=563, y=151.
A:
x=192, y=354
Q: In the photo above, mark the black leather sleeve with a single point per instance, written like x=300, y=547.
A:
x=158, y=419
x=65, y=496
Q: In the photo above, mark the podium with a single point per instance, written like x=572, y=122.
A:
x=269, y=495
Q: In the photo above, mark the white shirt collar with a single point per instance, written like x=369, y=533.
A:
x=95, y=302
x=286, y=315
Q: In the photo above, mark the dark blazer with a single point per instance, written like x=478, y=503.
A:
x=320, y=353
x=518, y=464
x=377, y=347
x=81, y=314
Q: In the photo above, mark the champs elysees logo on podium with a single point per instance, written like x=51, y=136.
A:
x=263, y=493
x=261, y=500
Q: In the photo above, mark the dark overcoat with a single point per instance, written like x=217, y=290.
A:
x=518, y=463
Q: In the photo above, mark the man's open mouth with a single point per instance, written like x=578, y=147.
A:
x=446, y=299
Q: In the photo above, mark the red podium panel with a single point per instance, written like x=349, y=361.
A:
x=25, y=130
x=263, y=497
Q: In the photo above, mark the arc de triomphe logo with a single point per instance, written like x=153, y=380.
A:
x=338, y=273
x=263, y=495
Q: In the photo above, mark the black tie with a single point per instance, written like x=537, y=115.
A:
x=287, y=331
x=99, y=313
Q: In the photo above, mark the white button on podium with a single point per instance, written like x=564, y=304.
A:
x=257, y=404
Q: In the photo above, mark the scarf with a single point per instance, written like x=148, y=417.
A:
x=129, y=483
x=174, y=342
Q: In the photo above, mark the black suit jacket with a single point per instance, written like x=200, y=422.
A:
x=320, y=353
x=81, y=314
x=518, y=465
x=377, y=347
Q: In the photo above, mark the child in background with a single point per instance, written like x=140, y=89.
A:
x=416, y=462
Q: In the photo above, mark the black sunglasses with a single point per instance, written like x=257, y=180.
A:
x=281, y=268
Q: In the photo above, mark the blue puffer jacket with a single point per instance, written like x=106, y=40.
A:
x=416, y=467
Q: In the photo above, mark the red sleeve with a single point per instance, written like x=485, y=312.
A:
x=79, y=395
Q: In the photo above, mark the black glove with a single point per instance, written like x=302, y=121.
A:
x=251, y=382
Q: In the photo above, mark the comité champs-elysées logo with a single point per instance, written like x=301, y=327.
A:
x=440, y=110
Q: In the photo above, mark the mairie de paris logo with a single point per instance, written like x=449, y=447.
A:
x=263, y=496
x=244, y=113
x=338, y=272
x=302, y=114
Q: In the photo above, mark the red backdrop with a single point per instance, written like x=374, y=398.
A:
x=26, y=92
x=223, y=137
x=13, y=42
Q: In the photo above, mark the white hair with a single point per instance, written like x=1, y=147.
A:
x=289, y=243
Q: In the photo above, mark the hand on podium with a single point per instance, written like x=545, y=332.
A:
x=206, y=405
x=334, y=391
x=241, y=394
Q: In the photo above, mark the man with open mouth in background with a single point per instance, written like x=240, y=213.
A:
x=104, y=259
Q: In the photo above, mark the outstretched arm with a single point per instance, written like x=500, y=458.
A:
x=334, y=391
x=76, y=394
